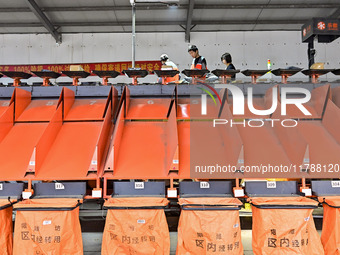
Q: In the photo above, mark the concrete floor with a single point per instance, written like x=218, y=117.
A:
x=92, y=242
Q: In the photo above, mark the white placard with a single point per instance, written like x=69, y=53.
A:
x=59, y=186
x=139, y=185
x=271, y=184
x=204, y=185
x=47, y=222
x=335, y=184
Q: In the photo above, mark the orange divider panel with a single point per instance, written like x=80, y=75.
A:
x=315, y=106
x=48, y=137
x=172, y=140
x=258, y=103
x=211, y=146
x=284, y=231
x=331, y=120
x=22, y=99
x=262, y=147
x=98, y=159
x=47, y=226
x=262, y=103
x=293, y=143
x=16, y=149
x=184, y=149
x=6, y=227
x=200, y=230
x=323, y=148
x=70, y=155
x=114, y=101
x=76, y=149
x=330, y=237
x=4, y=104
x=320, y=97
x=126, y=95
x=115, y=143
x=134, y=230
x=38, y=110
x=142, y=149
x=335, y=96
x=231, y=137
x=6, y=121
x=67, y=99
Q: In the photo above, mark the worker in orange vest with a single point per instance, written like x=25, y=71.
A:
x=167, y=64
x=198, y=61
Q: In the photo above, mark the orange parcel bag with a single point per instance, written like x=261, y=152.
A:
x=47, y=226
x=136, y=225
x=209, y=225
x=6, y=227
x=330, y=236
x=284, y=225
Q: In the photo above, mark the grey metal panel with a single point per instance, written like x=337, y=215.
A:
x=145, y=90
x=6, y=91
x=259, y=189
x=127, y=189
x=12, y=190
x=95, y=91
x=52, y=91
x=184, y=90
x=324, y=188
x=216, y=189
x=71, y=189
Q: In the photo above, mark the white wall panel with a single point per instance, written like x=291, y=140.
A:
x=249, y=49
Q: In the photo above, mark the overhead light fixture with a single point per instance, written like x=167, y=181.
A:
x=170, y=3
x=158, y=1
x=167, y=2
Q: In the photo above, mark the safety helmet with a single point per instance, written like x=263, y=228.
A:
x=192, y=48
x=164, y=57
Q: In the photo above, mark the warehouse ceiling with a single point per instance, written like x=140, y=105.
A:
x=58, y=17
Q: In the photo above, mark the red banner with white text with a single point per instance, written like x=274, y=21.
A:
x=88, y=67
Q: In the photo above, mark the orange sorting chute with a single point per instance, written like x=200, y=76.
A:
x=330, y=236
x=136, y=226
x=6, y=229
x=284, y=225
x=209, y=225
x=47, y=226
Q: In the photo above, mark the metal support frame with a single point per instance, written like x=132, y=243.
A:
x=133, y=34
x=158, y=6
x=160, y=23
x=311, y=59
x=189, y=20
x=44, y=20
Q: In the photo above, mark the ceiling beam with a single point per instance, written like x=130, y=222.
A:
x=160, y=23
x=182, y=6
x=34, y=7
x=189, y=20
x=335, y=14
x=152, y=31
